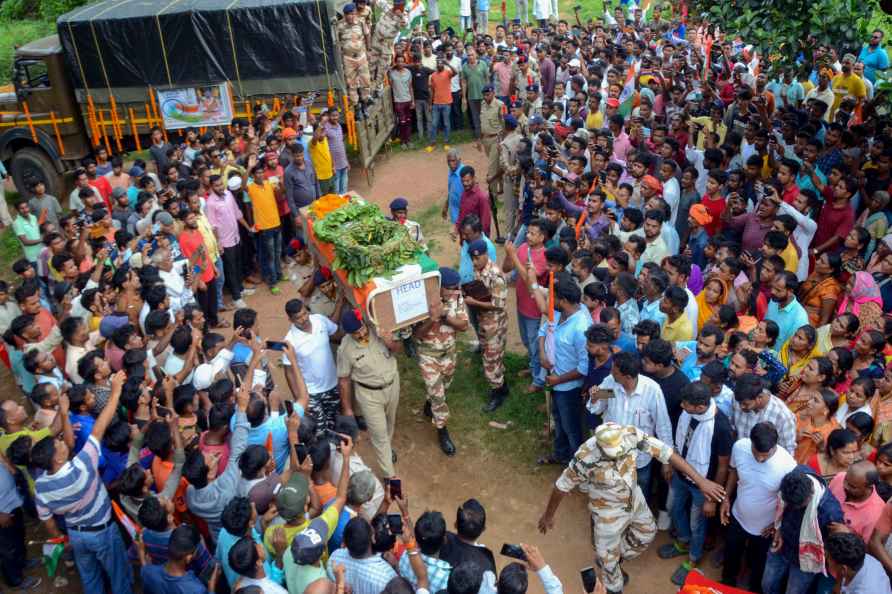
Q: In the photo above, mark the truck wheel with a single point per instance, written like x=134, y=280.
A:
x=34, y=163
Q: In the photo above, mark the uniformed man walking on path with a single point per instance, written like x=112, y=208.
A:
x=492, y=112
x=435, y=340
x=604, y=468
x=492, y=319
x=392, y=20
x=354, y=37
x=367, y=364
x=510, y=171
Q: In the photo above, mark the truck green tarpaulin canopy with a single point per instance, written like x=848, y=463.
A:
x=260, y=46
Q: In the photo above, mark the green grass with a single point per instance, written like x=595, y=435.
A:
x=590, y=9
x=522, y=441
x=16, y=33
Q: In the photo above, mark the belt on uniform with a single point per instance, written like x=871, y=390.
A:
x=490, y=135
x=368, y=387
x=98, y=528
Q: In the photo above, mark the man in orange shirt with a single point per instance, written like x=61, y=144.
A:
x=441, y=89
x=192, y=245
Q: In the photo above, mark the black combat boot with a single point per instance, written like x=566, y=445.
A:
x=445, y=441
x=496, y=398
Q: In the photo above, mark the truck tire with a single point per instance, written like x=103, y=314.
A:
x=32, y=162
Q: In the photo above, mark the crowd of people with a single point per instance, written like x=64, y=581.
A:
x=701, y=259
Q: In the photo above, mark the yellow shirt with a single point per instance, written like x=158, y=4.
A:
x=330, y=516
x=594, y=121
x=790, y=258
x=847, y=85
x=210, y=240
x=709, y=127
x=680, y=329
x=263, y=204
x=322, y=161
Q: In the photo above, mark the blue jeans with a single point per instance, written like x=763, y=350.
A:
x=687, y=515
x=566, y=408
x=776, y=567
x=529, y=336
x=98, y=551
x=440, y=116
x=644, y=479
x=270, y=250
x=340, y=180
x=221, y=278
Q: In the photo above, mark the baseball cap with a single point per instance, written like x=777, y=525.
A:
x=234, y=183
x=119, y=192
x=292, y=498
x=309, y=544
x=206, y=372
x=164, y=218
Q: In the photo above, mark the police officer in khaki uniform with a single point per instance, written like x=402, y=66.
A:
x=367, y=365
x=510, y=171
x=492, y=111
x=353, y=35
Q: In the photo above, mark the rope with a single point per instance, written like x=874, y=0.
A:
x=161, y=37
x=238, y=76
x=324, y=49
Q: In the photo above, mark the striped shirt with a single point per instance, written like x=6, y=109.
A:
x=76, y=490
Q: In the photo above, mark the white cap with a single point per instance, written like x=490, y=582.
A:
x=204, y=374
x=574, y=63
x=234, y=183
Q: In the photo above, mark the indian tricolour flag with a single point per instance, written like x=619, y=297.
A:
x=646, y=10
x=415, y=12
x=627, y=96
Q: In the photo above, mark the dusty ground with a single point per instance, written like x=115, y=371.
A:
x=513, y=491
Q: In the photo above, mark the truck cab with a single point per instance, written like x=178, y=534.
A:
x=41, y=130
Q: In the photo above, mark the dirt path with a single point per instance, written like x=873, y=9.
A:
x=513, y=491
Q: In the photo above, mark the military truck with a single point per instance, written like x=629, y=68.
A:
x=115, y=70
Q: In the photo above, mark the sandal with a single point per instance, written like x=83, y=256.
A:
x=671, y=550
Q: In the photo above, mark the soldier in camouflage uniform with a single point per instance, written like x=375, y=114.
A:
x=354, y=36
x=492, y=320
x=435, y=339
x=604, y=469
x=364, y=14
x=389, y=24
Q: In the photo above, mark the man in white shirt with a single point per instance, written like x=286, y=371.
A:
x=311, y=335
x=627, y=398
x=758, y=465
x=850, y=565
x=174, y=283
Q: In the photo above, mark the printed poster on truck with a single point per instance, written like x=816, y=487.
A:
x=195, y=106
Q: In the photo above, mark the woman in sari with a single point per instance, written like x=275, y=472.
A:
x=819, y=293
x=814, y=423
x=842, y=360
x=840, y=453
x=868, y=350
x=862, y=298
x=874, y=220
x=710, y=299
x=841, y=332
x=817, y=375
x=795, y=355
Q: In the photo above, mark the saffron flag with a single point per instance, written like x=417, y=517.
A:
x=707, y=48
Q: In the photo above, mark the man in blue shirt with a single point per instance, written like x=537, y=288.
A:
x=695, y=354
x=564, y=356
x=471, y=231
x=874, y=57
x=174, y=576
x=784, y=309
x=455, y=189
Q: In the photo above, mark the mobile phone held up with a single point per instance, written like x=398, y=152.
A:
x=589, y=580
x=513, y=551
x=395, y=522
x=396, y=488
x=275, y=345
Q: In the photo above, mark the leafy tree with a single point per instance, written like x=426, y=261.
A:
x=787, y=31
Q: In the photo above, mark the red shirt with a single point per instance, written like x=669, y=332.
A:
x=715, y=206
x=474, y=201
x=105, y=189
x=834, y=221
x=526, y=305
x=190, y=240
x=790, y=194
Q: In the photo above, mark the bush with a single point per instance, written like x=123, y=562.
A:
x=19, y=9
x=51, y=9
